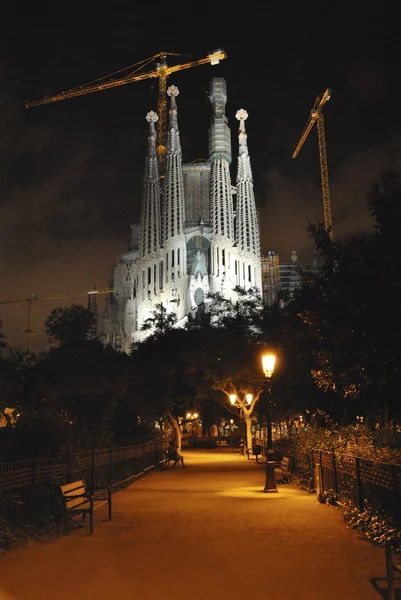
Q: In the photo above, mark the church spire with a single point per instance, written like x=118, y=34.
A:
x=173, y=190
x=222, y=215
x=247, y=230
x=150, y=229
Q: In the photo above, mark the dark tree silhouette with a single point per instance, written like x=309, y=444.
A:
x=70, y=324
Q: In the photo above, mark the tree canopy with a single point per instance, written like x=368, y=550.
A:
x=70, y=324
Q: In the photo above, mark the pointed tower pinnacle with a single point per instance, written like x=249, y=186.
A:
x=173, y=190
x=247, y=231
x=221, y=212
x=150, y=228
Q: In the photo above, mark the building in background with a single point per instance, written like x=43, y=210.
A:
x=197, y=234
x=280, y=280
x=270, y=277
x=290, y=277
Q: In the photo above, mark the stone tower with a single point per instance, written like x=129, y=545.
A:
x=198, y=233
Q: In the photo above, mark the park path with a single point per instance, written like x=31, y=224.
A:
x=204, y=532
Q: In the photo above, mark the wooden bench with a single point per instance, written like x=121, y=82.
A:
x=221, y=444
x=393, y=566
x=282, y=470
x=168, y=459
x=80, y=500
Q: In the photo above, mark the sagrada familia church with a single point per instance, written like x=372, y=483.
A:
x=198, y=232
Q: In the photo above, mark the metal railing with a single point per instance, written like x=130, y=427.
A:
x=358, y=482
x=365, y=484
x=29, y=489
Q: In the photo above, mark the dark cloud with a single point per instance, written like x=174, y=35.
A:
x=291, y=203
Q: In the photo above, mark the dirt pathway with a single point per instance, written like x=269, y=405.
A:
x=204, y=532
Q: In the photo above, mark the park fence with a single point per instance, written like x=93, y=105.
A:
x=352, y=481
x=30, y=489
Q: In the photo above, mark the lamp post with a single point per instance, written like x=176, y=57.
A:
x=190, y=418
x=268, y=362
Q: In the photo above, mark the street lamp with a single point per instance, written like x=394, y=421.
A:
x=233, y=399
x=189, y=420
x=268, y=362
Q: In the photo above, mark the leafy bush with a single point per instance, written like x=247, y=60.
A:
x=11, y=536
x=359, y=441
x=371, y=525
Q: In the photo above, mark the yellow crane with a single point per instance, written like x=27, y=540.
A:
x=33, y=298
x=162, y=71
x=317, y=116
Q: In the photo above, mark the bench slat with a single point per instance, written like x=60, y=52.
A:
x=76, y=492
x=74, y=502
x=74, y=487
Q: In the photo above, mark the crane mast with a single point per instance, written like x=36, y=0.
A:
x=317, y=116
x=162, y=72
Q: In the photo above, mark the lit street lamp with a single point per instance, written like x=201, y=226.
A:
x=233, y=399
x=191, y=416
x=190, y=422
x=268, y=361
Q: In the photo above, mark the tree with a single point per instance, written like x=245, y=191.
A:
x=35, y=426
x=88, y=382
x=350, y=314
x=160, y=322
x=384, y=203
x=70, y=324
x=226, y=356
x=14, y=382
x=159, y=377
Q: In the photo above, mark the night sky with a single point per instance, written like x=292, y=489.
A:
x=71, y=172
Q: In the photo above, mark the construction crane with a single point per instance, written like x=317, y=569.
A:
x=317, y=115
x=33, y=298
x=162, y=71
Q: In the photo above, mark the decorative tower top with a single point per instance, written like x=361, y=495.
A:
x=173, y=138
x=151, y=118
x=242, y=116
x=150, y=226
x=173, y=91
x=150, y=172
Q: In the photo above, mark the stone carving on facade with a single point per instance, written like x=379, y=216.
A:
x=199, y=279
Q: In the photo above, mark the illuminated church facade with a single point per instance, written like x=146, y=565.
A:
x=198, y=233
